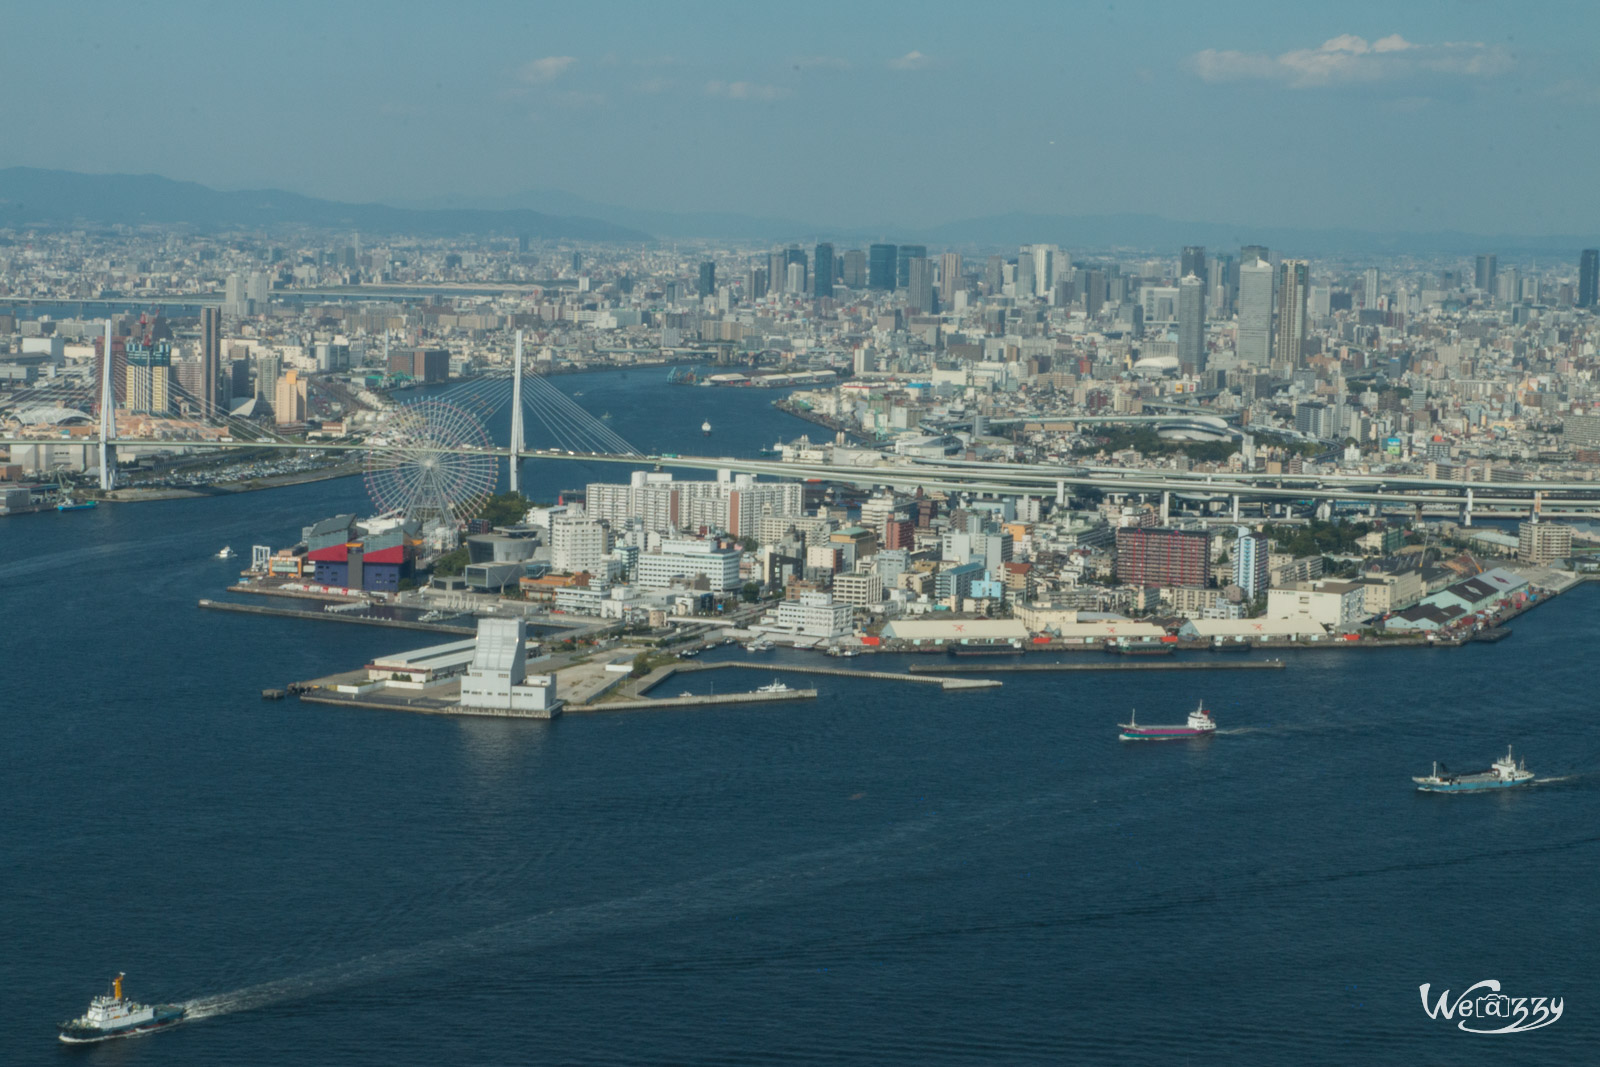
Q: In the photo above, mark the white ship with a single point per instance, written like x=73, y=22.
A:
x=117, y=1016
x=775, y=687
x=226, y=553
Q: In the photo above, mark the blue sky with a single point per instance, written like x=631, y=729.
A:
x=1382, y=116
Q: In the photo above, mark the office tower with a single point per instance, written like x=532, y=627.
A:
x=1221, y=279
x=855, y=269
x=1254, y=345
x=1589, y=277
x=1293, y=283
x=1155, y=557
x=794, y=279
x=755, y=283
x=822, y=271
x=1250, y=563
x=1319, y=302
x=1508, y=286
x=949, y=278
x=1483, y=276
x=1369, y=289
x=881, y=266
x=1193, y=262
x=238, y=383
x=919, y=285
x=1023, y=284
x=994, y=274
x=211, y=387
x=1047, y=268
x=902, y=262
x=1251, y=253
x=708, y=279
x=1191, y=324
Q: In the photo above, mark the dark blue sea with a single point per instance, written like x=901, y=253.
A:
x=889, y=874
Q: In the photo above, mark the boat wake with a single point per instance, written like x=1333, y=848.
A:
x=1556, y=778
x=769, y=882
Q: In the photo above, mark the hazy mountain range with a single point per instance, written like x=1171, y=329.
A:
x=30, y=196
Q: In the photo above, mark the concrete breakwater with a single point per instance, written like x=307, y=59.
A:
x=694, y=701
x=1169, y=665
x=664, y=673
x=333, y=616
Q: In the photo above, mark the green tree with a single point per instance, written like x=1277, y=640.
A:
x=451, y=563
x=505, y=509
x=750, y=592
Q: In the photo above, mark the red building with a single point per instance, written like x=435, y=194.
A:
x=899, y=533
x=1153, y=557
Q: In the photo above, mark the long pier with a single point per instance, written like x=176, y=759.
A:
x=695, y=701
x=1170, y=665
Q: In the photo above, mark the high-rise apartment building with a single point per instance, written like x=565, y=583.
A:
x=149, y=378
x=1543, y=543
x=1191, y=324
x=1369, y=288
x=1251, y=556
x=881, y=261
x=1589, y=278
x=1154, y=557
x=289, y=401
x=1294, y=280
x=578, y=544
x=822, y=271
x=919, y=286
x=1254, y=344
x=235, y=300
x=212, y=388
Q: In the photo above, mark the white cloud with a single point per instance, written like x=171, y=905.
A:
x=747, y=91
x=547, y=69
x=1348, y=59
x=912, y=60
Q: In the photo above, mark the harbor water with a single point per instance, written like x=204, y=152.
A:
x=887, y=874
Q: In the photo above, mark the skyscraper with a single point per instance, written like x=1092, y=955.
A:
x=211, y=384
x=822, y=271
x=881, y=266
x=1047, y=267
x=902, y=262
x=994, y=274
x=1589, y=278
x=1024, y=286
x=949, y=278
x=708, y=279
x=1293, y=283
x=1369, y=288
x=1192, y=324
x=855, y=269
x=1193, y=262
x=1250, y=563
x=1483, y=276
x=919, y=287
x=1255, y=312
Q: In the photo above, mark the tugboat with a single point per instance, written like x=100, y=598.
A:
x=116, y=1016
x=1200, y=725
x=705, y=427
x=1504, y=773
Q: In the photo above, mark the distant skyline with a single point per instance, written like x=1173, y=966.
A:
x=1418, y=117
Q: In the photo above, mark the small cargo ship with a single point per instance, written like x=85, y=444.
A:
x=1200, y=725
x=66, y=503
x=117, y=1016
x=705, y=428
x=1505, y=773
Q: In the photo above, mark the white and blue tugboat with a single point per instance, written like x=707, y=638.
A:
x=1505, y=773
x=117, y=1016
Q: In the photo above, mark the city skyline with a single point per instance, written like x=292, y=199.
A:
x=368, y=109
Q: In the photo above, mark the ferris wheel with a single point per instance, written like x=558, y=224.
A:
x=430, y=459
